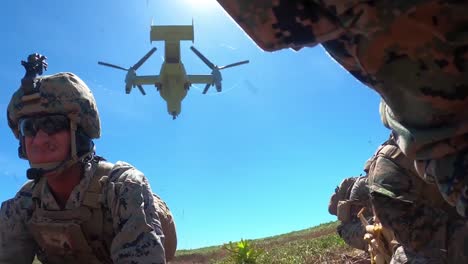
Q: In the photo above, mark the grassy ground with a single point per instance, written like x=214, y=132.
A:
x=319, y=244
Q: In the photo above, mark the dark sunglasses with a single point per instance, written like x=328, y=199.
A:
x=50, y=124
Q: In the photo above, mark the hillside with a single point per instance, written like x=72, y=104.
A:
x=318, y=244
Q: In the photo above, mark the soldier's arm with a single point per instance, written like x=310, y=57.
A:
x=353, y=234
x=17, y=246
x=275, y=25
x=136, y=223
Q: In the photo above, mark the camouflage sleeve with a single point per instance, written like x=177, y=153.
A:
x=279, y=24
x=17, y=246
x=136, y=223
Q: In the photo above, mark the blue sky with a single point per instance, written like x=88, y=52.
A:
x=260, y=159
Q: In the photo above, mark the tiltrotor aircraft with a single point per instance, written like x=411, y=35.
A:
x=172, y=81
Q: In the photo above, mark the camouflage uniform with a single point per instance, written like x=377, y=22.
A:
x=413, y=53
x=111, y=216
x=428, y=229
x=350, y=197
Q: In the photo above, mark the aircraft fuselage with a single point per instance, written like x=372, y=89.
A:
x=173, y=86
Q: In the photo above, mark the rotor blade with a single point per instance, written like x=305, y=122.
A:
x=203, y=58
x=141, y=89
x=111, y=65
x=233, y=64
x=206, y=88
x=142, y=60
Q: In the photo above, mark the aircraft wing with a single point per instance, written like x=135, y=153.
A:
x=146, y=79
x=200, y=78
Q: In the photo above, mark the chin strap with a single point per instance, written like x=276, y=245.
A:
x=38, y=170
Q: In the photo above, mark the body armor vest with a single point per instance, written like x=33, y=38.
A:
x=77, y=235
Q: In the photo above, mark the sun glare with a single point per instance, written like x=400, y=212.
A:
x=201, y=4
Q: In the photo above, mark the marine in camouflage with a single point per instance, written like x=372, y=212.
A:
x=110, y=216
x=428, y=229
x=349, y=198
x=413, y=53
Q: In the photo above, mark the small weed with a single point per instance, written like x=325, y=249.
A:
x=242, y=252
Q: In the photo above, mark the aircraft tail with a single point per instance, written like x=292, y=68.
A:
x=172, y=33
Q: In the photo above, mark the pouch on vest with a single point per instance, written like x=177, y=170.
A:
x=61, y=238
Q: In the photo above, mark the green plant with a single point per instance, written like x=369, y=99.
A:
x=243, y=252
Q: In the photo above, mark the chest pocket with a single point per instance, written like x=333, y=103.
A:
x=77, y=235
x=60, y=235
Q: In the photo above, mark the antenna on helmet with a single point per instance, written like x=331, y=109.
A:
x=34, y=66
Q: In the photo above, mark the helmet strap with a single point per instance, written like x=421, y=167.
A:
x=73, y=128
x=38, y=170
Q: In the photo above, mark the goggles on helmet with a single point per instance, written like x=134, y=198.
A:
x=50, y=124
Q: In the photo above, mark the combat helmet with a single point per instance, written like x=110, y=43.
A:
x=342, y=193
x=64, y=94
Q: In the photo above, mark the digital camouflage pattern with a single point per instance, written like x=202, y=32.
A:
x=413, y=53
x=349, y=198
x=61, y=93
x=428, y=229
x=132, y=230
x=168, y=227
